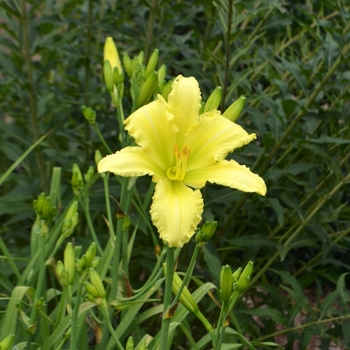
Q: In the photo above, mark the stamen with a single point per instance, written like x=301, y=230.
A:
x=178, y=171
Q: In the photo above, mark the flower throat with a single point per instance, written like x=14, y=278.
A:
x=178, y=171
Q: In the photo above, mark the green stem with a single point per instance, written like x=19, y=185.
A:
x=167, y=298
x=105, y=314
x=187, y=276
x=74, y=324
x=31, y=91
x=150, y=29
x=102, y=139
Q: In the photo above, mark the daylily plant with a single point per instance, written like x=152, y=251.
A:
x=182, y=150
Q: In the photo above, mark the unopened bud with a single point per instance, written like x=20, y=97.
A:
x=89, y=114
x=59, y=268
x=110, y=53
x=130, y=344
x=232, y=113
x=98, y=156
x=90, y=254
x=152, y=63
x=97, y=283
x=214, y=100
x=244, y=279
x=77, y=179
x=167, y=89
x=236, y=274
x=6, y=343
x=142, y=345
x=108, y=75
x=204, y=234
x=95, y=262
x=69, y=262
x=91, y=289
x=226, y=283
x=128, y=65
x=89, y=174
x=148, y=89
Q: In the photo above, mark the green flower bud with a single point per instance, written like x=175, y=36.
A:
x=90, y=254
x=152, y=63
x=39, y=304
x=142, y=345
x=130, y=344
x=97, y=283
x=244, y=279
x=167, y=89
x=204, y=234
x=6, y=343
x=89, y=174
x=232, y=113
x=186, y=297
x=128, y=65
x=161, y=73
x=95, y=262
x=148, y=89
x=89, y=114
x=98, y=157
x=236, y=274
x=214, y=100
x=77, y=179
x=226, y=283
x=69, y=262
x=59, y=268
x=108, y=75
x=70, y=220
x=110, y=54
x=91, y=289
x=140, y=57
x=78, y=264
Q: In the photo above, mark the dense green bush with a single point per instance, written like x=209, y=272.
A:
x=290, y=59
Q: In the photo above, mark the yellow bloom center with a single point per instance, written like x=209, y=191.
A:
x=178, y=171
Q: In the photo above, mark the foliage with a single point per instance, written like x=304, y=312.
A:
x=290, y=59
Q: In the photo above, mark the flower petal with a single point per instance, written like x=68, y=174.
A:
x=153, y=128
x=130, y=161
x=176, y=211
x=227, y=173
x=212, y=139
x=185, y=103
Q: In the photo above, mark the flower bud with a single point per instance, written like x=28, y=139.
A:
x=91, y=289
x=59, y=268
x=98, y=157
x=204, y=234
x=97, y=283
x=89, y=114
x=77, y=179
x=161, y=73
x=95, y=262
x=152, y=63
x=236, y=274
x=226, y=283
x=69, y=262
x=90, y=254
x=89, y=174
x=186, y=297
x=108, y=75
x=140, y=57
x=110, y=54
x=6, y=343
x=167, y=89
x=70, y=220
x=232, y=113
x=142, y=345
x=128, y=65
x=39, y=304
x=214, y=100
x=130, y=344
x=148, y=89
x=244, y=279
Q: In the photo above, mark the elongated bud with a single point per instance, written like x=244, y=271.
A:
x=130, y=344
x=89, y=114
x=70, y=220
x=98, y=156
x=214, y=100
x=161, y=73
x=204, y=234
x=97, y=283
x=89, y=174
x=90, y=254
x=128, y=65
x=149, y=88
x=167, y=89
x=232, y=113
x=108, y=75
x=140, y=57
x=69, y=262
x=142, y=345
x=186, y=297
x=95, y=262
x=152, y=63
x=6, y=343
x=77, y=179
x=244, y=279
x=59, y=268
x=236, y=274
x=226, y=283
x=91, y=289
x=110, y=53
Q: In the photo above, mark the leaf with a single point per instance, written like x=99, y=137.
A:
x=252, y=240
x=276, y=205
x=267, y=312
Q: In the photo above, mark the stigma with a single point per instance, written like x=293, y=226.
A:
x=178, y=171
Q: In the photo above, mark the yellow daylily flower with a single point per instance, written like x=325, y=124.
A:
x=182, y=150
